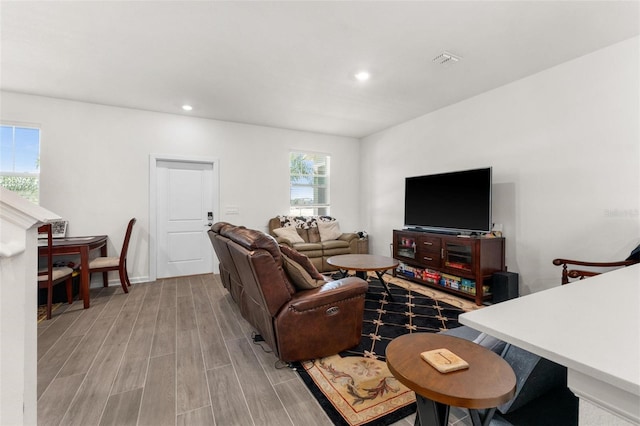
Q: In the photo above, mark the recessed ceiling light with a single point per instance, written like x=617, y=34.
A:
x=187, y=107
x=362, y=76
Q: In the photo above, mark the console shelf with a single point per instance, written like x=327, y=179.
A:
x=459, y=265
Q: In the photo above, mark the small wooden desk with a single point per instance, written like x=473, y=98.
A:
x=363, y=263
x=81, y=246
x=488, y=382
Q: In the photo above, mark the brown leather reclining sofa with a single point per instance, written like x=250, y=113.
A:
x=296, y=324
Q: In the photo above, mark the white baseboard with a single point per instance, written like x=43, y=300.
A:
x=97, y=281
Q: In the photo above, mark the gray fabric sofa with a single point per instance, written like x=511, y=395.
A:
x=542, y=396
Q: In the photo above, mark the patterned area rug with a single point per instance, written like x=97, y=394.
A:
x=355, y=387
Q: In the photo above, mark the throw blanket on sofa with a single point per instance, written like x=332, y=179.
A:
x=304, y=222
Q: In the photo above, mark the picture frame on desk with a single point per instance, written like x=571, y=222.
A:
x=59, y=228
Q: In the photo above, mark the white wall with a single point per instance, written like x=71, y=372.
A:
x=18, y=299
x=95, y=166
x=564, y=147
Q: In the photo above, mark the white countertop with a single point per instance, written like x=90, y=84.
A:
x=592, y=327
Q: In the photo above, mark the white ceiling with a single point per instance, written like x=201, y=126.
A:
x=291, y=64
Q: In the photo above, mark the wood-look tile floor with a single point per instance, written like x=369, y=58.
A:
x=171, y=352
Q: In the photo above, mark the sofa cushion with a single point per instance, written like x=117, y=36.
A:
x=302, y=260
x=334, y=244
x=635, y=254
x=559, y=406
x=252, y=240
x=535, y=376
x=290, y=233
x=313, y=234
x=492, y=343
x=329, y=230
x=299, y=276
x=307, y=248
x=334, y=248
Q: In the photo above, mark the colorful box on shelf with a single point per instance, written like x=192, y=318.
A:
x=468, y=286
x=406, y=270
x=419, y=273
x=468, y=283
x=431, y=276
x=485, y=290
x=450, y=281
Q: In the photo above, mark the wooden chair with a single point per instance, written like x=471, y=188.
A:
x=106, y=264
x=51, y=276
x=633, y=258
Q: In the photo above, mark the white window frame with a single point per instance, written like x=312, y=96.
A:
x=25, y=174
x=315, y=208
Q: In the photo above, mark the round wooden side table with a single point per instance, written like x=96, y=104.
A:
x=361, y=263
x=488, y=382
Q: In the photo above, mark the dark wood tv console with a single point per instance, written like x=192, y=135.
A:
x=458, y=265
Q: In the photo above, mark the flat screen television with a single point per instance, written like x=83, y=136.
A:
x=452, y=202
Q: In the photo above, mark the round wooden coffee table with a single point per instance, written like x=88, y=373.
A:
x=364, y=263
x=488, y=382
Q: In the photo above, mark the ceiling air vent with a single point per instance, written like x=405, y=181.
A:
x=446, y=58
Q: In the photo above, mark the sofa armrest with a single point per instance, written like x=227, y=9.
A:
x=352, y=239
x=348, y=237
x=331, y=292
x=285, y=241
x=274, y=223
x=321, y=322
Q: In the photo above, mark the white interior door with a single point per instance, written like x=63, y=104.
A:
x=184, y=213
